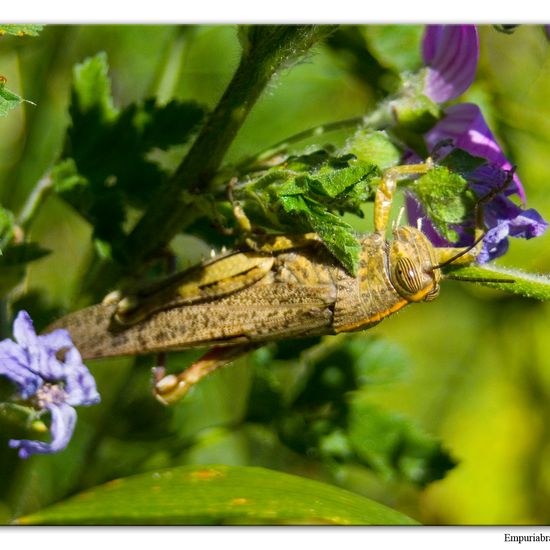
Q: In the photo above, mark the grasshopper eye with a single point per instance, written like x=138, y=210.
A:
x=406, y=277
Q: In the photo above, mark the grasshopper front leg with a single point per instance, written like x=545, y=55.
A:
x=172, y=387
x=386, y=190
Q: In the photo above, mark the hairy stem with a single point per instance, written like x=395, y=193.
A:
x=266, y=50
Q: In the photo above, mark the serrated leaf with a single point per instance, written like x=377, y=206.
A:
x=106, y=165
x=446, y=197
x=8, y=99
x=393, y=446
x=306, y=193
x=337, y=236
x=213, y=495
x=21, y=30
x=331, y=183
x=92, y=88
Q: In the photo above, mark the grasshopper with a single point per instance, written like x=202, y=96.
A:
x=279, y=287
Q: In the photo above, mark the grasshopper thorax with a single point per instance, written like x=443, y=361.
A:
x=411, y=261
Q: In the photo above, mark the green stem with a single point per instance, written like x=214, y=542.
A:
x=34, y=201
x=379, y=119
x=524, y=284
x=267, y=49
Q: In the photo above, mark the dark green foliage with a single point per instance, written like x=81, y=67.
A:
x=326, y=412
x=105, y=168
x=13, y=262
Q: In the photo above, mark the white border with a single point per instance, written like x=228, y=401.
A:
x=280, y=11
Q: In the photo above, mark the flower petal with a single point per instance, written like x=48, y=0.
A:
x=465, y=125
x=451, y=53
x=56, y=340
x=506, y=219
x=13, y=365
x=79, y=383
x=23, y=330
x=495, y=243
x=62, y=428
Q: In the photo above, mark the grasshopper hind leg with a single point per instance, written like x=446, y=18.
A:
x=172, y=387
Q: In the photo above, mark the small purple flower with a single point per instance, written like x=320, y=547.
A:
x=451, y=54
x=49, y=374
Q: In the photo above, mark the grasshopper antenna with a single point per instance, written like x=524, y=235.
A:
x=459, y=254
x=477, y=279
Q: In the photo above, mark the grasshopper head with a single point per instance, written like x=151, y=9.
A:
x=411, y=265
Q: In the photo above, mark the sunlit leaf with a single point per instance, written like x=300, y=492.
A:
x=21, y=30
x=211, y=495
x=8, y=99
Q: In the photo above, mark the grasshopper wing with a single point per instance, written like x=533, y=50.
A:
x=240, y=298
x=207, y=281
x=258, y=313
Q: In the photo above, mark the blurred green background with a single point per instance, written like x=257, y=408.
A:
x=478, y=361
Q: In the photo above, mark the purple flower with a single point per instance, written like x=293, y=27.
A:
x=48, y=373
x=465, y=125
x=451, y=54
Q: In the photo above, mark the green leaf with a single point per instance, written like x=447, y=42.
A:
x=304, y=195
x=396, y=46
x=23, y=253
x=446, y=197
x=13, y=263
x=337, y=235
x=92, y=88
x=106, y=166
x=374, y=148
x=393, y=446
x=21, y=30
x=8, y=99
x=213, y=495
x=461, y=162
x=525, y=284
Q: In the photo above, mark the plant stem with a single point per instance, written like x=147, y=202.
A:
x=266, y=50
x=34, y=201
x=378, y=119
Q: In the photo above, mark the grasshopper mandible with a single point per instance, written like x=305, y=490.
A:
x=282, y=287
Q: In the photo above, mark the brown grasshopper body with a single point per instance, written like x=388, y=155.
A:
x=254, y=297
x=283, y=287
